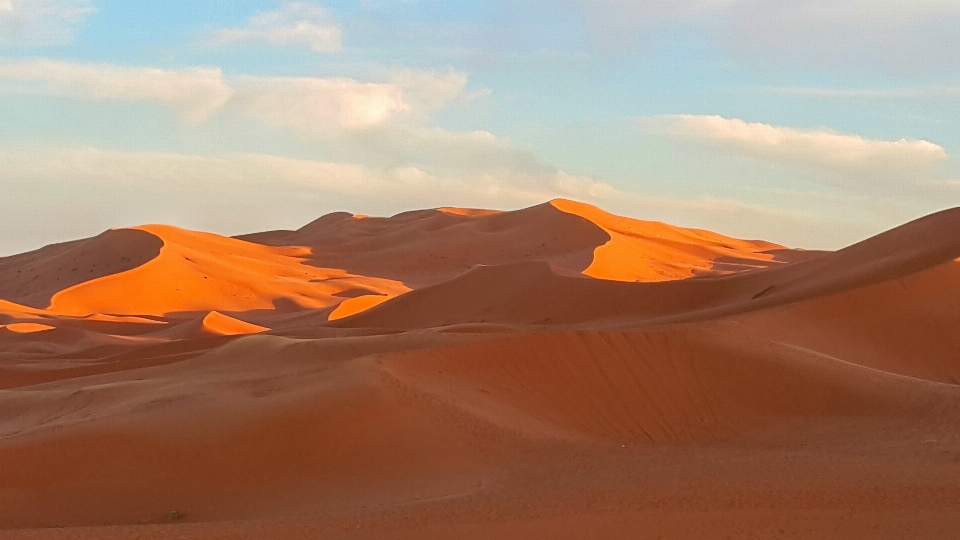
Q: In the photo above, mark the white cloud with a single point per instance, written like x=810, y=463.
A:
x=42, y=22
x=849, y=154
x=429, y=90
x=324, y=107
x=317, y=105
x=193, y=92
x=295, y=23
x=327, y=107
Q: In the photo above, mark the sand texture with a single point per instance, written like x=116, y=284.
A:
x=550, y=372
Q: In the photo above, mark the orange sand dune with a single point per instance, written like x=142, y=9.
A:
x=550, y=372
x=431, y=246
x=204, y=272
x=535, y=294
x=651, y=251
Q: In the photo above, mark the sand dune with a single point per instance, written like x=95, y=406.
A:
x=196, y=272
x=430, y=246
x=537, y=294
x=555, y=371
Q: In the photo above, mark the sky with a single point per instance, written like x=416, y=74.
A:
x=813, y=124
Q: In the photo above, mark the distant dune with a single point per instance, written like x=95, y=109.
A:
x=555, y=372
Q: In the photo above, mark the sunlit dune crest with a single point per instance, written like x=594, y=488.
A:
x=653, y=251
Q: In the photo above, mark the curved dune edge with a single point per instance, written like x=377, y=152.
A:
x=223, y=325
x=100, y=317
x=197, y=271
x=468, y=212
x=28, y=328
x=352, y=306
x=33, y=278
x=653, y=251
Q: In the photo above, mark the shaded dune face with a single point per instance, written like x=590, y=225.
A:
x=430, y=246
x=906, y=326
x=33, y=278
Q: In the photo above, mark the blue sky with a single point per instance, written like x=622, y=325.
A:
x=814, y=124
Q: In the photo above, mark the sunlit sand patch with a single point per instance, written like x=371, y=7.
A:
x=352, y=306
x=28, y=328
x=100, y=317
x=224, y=325
x=469, y=212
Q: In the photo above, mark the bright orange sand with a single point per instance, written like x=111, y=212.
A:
x=551, y=372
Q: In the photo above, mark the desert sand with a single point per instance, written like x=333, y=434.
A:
x=550, y=372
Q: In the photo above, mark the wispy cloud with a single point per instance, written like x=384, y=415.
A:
x=931, y=93
x=295, y=23
x=894, y=35
x=851, y=154
x=194, y=92
x=30, y=23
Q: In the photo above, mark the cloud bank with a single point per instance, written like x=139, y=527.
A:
x=850, y=154
x=309, y=104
